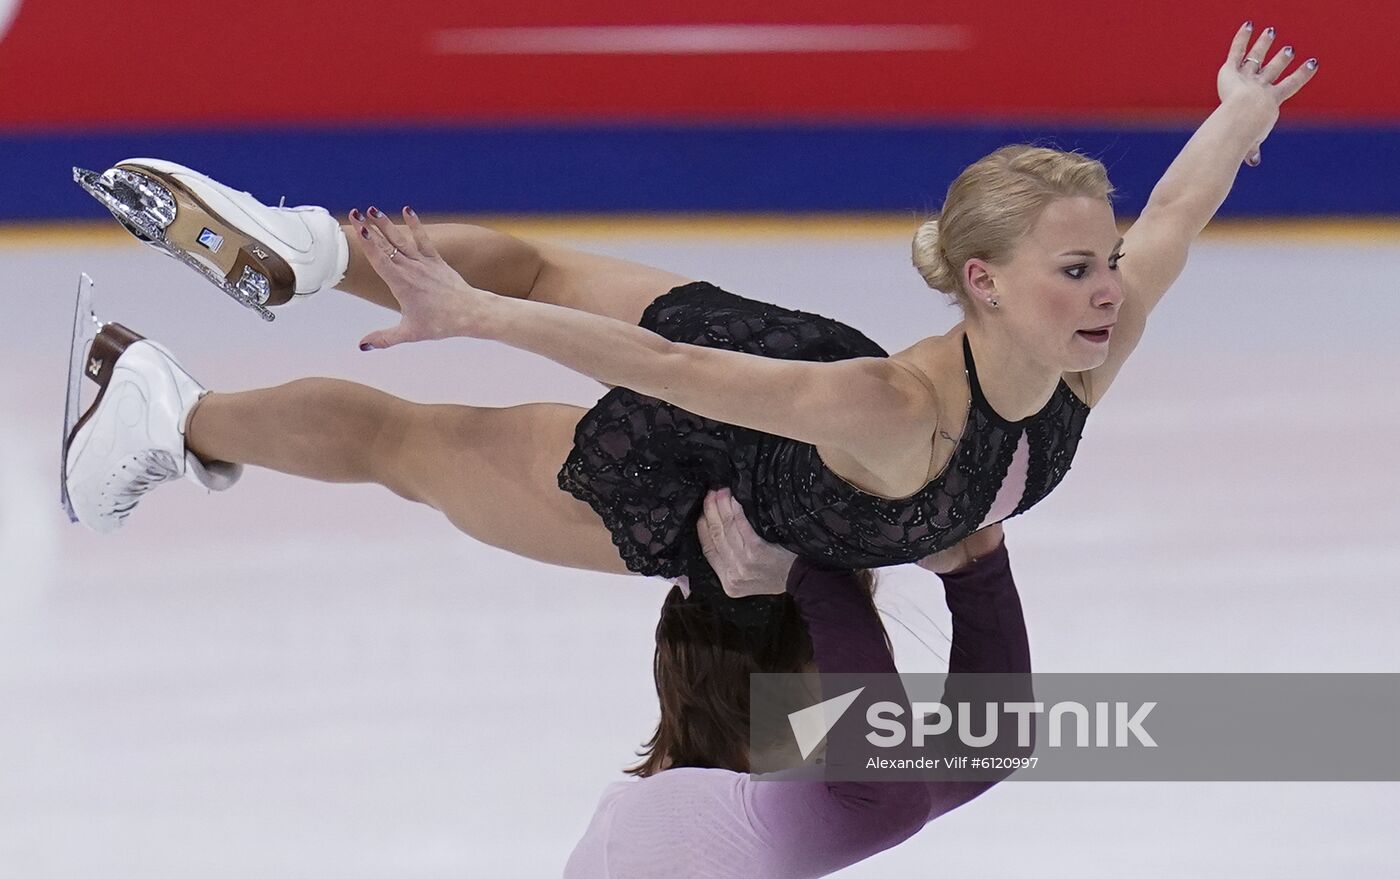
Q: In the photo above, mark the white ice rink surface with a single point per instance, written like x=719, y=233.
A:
x=304, y=680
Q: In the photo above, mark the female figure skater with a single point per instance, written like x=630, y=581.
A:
x=834, y=450
x=697, y=809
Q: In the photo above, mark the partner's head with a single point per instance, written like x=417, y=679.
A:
x=702, y=666
x=1033, y=230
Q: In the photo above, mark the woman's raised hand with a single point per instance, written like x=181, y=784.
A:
x=1250, y=75
x=434, y=301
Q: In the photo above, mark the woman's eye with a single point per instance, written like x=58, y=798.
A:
x=1076, y=272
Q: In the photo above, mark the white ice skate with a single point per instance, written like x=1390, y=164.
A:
x=132, y=437
x=261, y=256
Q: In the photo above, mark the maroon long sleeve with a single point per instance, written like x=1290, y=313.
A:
x=989, y=637
x=989, y=631
x=844, y=628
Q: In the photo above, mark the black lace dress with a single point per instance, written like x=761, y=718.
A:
x=645, y=465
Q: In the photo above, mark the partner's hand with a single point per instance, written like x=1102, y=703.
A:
x=1249, y=75
x=434, y=301
x=745, y=562
x=972, y=548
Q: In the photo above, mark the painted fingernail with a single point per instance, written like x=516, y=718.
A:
x=374, y=211
x=1312, y=63
x=364, y=233
x=1249, y=25
x=356, y=215
x=365, y=346
x=1269, y=32
x=408, y=210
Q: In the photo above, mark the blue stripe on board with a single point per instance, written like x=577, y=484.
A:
x=549, y=169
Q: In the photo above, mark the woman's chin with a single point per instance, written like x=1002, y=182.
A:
x=1082, y=361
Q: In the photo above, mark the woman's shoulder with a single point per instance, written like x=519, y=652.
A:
x=904, y=459
x=937, y=363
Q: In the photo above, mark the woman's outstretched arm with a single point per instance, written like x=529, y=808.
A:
x=827, y=404
x=832, y=404
x=1196, y=184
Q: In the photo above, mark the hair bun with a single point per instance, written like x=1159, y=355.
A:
x=930, y=259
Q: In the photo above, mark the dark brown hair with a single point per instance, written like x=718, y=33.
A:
x=702, y=666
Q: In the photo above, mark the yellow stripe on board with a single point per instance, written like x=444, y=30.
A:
x=826, y=227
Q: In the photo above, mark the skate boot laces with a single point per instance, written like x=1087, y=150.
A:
x=137, y=475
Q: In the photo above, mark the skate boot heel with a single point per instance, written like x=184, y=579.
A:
x=111, y=341
x=109, y=344
x=262, y=275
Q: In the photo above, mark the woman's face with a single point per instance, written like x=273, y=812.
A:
x=1061, y=281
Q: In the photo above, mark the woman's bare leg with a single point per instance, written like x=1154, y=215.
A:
x=492, y=472
x=509, y=266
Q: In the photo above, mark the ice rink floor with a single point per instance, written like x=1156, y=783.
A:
x=305, y=680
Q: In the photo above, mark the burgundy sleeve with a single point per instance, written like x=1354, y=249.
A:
x=844, y=628
x=989, y=636
x=989, y=631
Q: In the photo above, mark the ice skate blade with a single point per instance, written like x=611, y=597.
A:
x=93, y=352
x=85, y=329
x=147, y=208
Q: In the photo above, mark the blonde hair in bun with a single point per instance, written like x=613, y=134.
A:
x=930, y=260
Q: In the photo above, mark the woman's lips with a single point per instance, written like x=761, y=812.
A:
x=1099, y=336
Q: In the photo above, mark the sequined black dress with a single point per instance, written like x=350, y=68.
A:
x=645, y=465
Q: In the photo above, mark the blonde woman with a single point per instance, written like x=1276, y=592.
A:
x=834, y=450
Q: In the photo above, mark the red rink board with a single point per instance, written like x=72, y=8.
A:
x=67, y=64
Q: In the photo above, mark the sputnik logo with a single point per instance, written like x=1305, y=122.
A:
x=811, y=724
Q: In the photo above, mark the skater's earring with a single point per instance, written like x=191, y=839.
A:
x=979, y=282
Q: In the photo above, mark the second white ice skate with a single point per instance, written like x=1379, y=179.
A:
x=261, y=256
x=132, y=437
